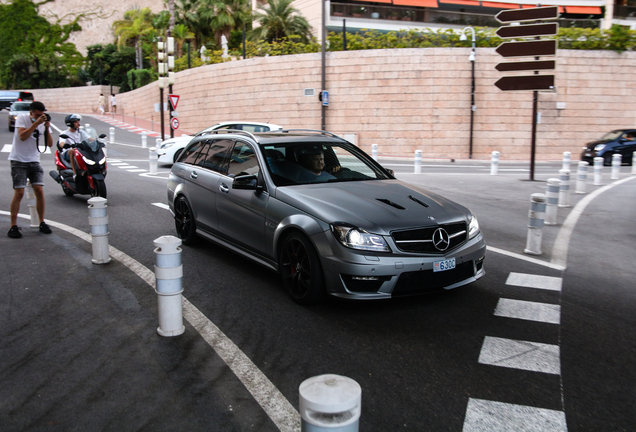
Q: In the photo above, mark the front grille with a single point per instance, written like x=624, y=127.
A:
x=427, y=281
x=420, y=240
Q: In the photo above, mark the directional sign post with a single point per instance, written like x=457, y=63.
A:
x=526, y=82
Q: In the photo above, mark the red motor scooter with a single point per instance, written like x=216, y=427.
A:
x=90, y=162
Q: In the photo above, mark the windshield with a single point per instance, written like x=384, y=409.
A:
x=306, y=163
x=89, y=137
x=21, y=106
x=611, y=136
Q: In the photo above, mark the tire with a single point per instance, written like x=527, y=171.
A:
x=176, y=155
x=67, y=191
x=100, y=189
x=184, y=221
x=300, y=269
x=607, y=160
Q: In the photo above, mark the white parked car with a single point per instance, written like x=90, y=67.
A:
x=170, y=150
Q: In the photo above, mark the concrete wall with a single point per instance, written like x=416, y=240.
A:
x=402, y=100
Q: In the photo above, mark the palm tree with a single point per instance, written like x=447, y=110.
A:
x=280, y=20
x=181, y=33
x=136, y=24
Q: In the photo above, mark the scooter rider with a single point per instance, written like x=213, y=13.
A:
x=74, y=137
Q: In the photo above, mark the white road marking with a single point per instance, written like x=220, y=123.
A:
x=525, y=258
x=119, y=164
x=157, y=176
x=128, y=167
x=531, y=311
x=524, y=355
x=562, y=242
x=549, y=283
x=7, y=149
x=483, y=415
x=161, y=205
x=277, y=407
x=137, y=170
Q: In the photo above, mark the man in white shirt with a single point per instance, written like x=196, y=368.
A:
x=30, y=130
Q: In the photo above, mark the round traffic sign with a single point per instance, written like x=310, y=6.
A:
x=174, y=123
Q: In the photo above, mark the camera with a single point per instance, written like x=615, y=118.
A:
x=48, y=117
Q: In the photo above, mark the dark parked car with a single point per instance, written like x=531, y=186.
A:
x=622, y=141
x=322, y=213
x=7, y=97
x=16, y=109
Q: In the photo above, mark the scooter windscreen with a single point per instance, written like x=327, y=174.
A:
x=89, y=138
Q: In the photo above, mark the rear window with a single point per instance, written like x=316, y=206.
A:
x=20, y=106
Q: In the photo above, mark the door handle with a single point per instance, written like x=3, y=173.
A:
x=223, y=188
x=194, y=174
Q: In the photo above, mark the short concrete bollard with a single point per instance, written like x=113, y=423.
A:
x=144, y=139
x=536, y=217
x=33, y=212
x=617, y=160
x=567, y=157
x=581, y=177
x=98, y=221
x=418, y=162
x=112, y=136
x=564, y=189
x=152, y=160
x=330, y=403
x=598, y=171
x=169, y=287
x=552, y=202
x=494, y=163
x=374, y=151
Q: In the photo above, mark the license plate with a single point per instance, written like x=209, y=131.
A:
x=444, y=265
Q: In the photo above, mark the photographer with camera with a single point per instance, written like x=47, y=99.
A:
x=25, y=162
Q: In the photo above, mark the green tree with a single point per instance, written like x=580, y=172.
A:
x=181, y=34
x=136, y=24
x=280, y=20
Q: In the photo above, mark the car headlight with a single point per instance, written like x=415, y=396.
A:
x=356, y=238
x=166, y=145
x=88, y=161
x=599, y=147
x=473, y=226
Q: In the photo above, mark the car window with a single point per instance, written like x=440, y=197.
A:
x=215, y=155
x=191, y=152
x=253, y=128
x=243, y=160
x=304, y=163
x=21, y=106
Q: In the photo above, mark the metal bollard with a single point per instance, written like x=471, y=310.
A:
x=169, y=287
x=634, y=163
x=98, y=221
x=33, y=212
x=564, y=189
x=418, y=162
x=152, y=157
x=552, y=202
x=536, y=217
x=374, y=151
x=581, y=177
x=567, y=157
x=144, y=140
x=494, y=163
x=330, y=403
x=617, y=160
x=112, y=136
x=598, y=171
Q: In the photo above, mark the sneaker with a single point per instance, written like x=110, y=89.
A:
x=44, y=228
x=14, y=232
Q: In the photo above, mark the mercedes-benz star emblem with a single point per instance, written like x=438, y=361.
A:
x=441, y=239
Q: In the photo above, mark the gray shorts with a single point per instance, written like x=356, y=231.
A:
x=21, y=171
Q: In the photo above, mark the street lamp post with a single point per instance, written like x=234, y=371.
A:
x=471, y=58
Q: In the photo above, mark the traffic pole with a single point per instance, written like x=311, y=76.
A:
x=169, y=286
x=581, y=177
x=98, y=221
x=111, y=139
x=374, y=151
x=564, y=188
x=536, y=217
x=617, y=160
x=552, y=195
x=330, y=403
x=598, y=171
x=418, y=162
x=152, y=160
x=567, y=157
x=33, y=212
x=144, y=139
x=494, y=163
x=634, y=163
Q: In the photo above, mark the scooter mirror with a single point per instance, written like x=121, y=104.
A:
x=64, y=136
x=102, y=136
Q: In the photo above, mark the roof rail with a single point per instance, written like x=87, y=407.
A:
x=321, y=132
x=233, y=131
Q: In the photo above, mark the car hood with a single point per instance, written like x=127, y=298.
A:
x=378, y=206
x=593, y=144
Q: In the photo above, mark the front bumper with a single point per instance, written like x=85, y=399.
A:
x=356, y=275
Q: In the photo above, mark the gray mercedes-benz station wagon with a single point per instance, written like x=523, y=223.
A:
x=322, y=213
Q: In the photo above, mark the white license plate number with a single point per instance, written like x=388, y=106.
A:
x=439, y=266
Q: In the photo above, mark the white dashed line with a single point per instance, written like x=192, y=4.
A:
x=483, y=415
x=549, y=283
x=161, y=205
x=531, y=311
x=524, y=355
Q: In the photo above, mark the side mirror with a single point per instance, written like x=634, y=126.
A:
x=390, y=171
x=248, y=182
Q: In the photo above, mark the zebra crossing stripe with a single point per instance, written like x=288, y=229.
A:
x=483, y=415
x=524, y=355
x=531, y=311
x=550, y=283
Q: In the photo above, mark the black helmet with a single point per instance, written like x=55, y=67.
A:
x=69, y=119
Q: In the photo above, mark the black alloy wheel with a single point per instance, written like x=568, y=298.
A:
x=184, y=221
x=300, y=269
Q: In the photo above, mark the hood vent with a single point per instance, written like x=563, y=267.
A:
x=391, y=203
x=411, y=197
